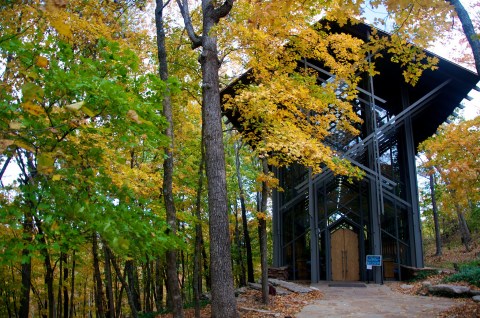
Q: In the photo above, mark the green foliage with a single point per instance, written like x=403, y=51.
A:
x=424, y=274
x=469, y=272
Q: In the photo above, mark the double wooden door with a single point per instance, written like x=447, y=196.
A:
x=344, y=253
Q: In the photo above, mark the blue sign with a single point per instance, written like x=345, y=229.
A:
x=374, y=260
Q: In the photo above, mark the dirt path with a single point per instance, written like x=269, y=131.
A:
x=372, y=301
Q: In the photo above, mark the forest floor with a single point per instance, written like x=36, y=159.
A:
x=452, y=254
x=286, y=306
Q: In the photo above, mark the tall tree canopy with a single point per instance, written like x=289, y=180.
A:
x=90, y=125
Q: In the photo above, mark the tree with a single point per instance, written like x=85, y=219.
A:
x=453, y=152
x=469, y=30
x=172, y=275
x=262, y=227
x=223, y=297
x=246, y=233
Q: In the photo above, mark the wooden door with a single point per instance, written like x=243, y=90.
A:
x=344, y=252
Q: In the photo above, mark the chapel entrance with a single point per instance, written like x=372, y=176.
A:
x=344, y=253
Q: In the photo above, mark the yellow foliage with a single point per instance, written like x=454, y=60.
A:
x=45, y=163
x=32, y=109
x=261, y=216
x=454, y=152
x=41, y=61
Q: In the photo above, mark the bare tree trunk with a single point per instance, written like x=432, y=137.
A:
x=242, y=281
x=65, y=285
x=72, y=290
x=174, y=292
x=262, y=233
x=26, y=268
x=130, y=295
x=60, y=286
x=246, y=234
x=469, y=31
x=108, y=283
x=158, y=285
x=466, y=237
x=438, y=237
x=131, y=286
x=223, y=294
x=97, y=278
x=197, y=256
x=49, y=270
x=147, y=286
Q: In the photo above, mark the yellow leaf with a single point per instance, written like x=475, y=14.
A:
x=88, y=111
x=55, y=226
x=261, y=216
x=41, y=61
x=61, y=27
x=56, y=177
x=31, y=108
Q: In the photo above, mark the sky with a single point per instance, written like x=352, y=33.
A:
x=449, y=50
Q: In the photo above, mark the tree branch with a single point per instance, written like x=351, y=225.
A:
x=223, y=10
x=5, y=165
x=196, y=40
x=469, y=31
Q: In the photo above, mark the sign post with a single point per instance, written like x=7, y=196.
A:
x=373, y=260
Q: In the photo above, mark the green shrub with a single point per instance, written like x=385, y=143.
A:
x=422, y=275
x=471, y=264
x=469, y=273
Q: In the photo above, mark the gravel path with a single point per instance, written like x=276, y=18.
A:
x=372, y=301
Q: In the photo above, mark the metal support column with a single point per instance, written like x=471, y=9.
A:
x=276, y=226
x=415, y=232
x=314, y=261
x=376, y=190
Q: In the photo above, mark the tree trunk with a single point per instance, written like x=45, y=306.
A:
x=49, y=270
x=246, y=234
x=469, y=31
x=110, y=313
x=130, y=295
x=26, y=268
x=65, y=285
x=60, y=286
x=223, y=296
x=197, y=256
x=262, y=233
x=466, y=237
x=174, y=292
x=158, y=285
x=118, y=309
x=438, y=237
x=242, y=281
x=147, y=286
x=131, y=286
x=97, y=278
x=72, y=290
